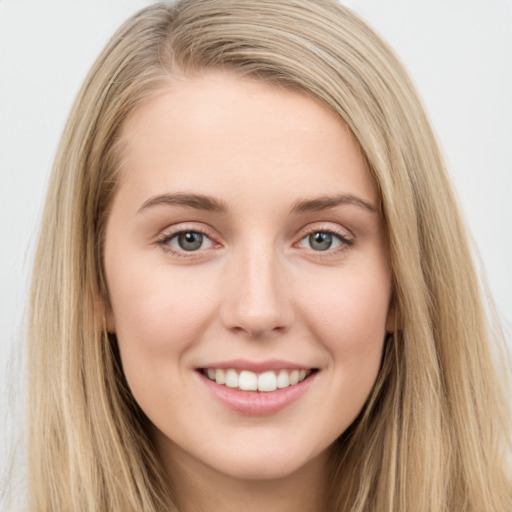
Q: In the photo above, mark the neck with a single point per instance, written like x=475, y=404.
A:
x=200, y=488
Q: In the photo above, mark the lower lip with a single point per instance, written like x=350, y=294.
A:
x=256, y=403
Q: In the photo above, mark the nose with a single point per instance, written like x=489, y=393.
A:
x=257, y=299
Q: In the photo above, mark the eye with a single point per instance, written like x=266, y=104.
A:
x=324, y=241
x=189, y=241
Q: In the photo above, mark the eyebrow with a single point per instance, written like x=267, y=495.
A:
x=326, y=202
x=197, y=201
x=207, y=203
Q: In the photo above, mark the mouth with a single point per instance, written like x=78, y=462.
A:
x=263, y=382
x=257, y=388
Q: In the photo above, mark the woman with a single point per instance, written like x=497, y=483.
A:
x=253, y=287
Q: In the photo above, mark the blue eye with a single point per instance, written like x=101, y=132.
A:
x=189, y=241
x=323, y=241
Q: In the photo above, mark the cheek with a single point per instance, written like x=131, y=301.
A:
x=348, y=314
x=159, y=316
x=158, y=311
x=352, y=309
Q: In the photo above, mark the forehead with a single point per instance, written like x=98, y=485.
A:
x=217, y=130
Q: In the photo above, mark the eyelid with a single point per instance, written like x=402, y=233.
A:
x=329, y=227
x=346, y=238
x=169, y=233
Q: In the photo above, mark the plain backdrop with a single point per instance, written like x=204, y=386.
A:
x=458, y=52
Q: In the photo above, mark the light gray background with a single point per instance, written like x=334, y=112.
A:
x=458, y=52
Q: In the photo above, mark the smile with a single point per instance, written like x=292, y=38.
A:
x=247, y=380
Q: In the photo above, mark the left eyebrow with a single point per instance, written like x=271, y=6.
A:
x=326, y=202
x=196, y=201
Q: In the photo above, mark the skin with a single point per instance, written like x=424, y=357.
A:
x=256, y=289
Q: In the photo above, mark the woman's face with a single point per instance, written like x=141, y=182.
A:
x=245, y=249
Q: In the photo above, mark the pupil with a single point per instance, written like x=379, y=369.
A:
x=190, y=241
x=320, y=241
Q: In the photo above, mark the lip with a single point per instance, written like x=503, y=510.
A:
x=256, y=403
x=256, y=366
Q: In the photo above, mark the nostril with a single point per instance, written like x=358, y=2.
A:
x=259, y=331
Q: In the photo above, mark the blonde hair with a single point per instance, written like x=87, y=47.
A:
x=434, y=434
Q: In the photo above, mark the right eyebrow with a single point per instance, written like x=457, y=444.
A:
x=197, y=201
x=326, y=202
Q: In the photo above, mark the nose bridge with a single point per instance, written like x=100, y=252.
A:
x=257, y=301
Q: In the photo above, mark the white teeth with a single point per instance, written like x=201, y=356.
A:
x=267, y=381
x=283, y=380
x=231, y=379
x=220, y=376
x=250, y=381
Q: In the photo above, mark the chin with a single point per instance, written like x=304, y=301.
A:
x=259, y=470
x=263, y=466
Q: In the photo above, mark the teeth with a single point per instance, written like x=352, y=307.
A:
x=220, y=376
x=267, y=381
x=250, y=381
x=232, y=379
x=283, y=380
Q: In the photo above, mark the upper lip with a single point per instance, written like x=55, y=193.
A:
x=256, y=366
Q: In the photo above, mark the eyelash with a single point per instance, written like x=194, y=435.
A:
x=345, y=242
x=163, y=242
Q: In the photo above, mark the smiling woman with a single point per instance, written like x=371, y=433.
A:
x=269, y=277
x=266, y=299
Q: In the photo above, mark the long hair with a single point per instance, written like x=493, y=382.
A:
x=434, y=434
